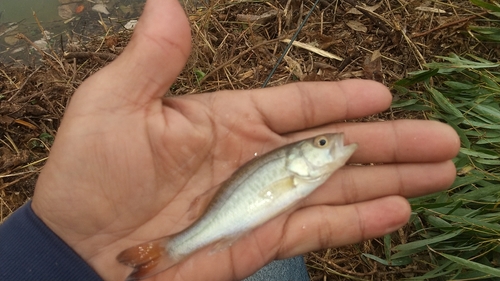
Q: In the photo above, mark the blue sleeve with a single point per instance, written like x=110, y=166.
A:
x=29, y=250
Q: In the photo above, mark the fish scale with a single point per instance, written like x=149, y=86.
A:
x=209, y=227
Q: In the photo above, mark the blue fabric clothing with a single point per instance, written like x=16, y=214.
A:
x=293, y=269
x=29, y=250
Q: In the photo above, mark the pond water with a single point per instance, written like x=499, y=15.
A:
x=61, y=20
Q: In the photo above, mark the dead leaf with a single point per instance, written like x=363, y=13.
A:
x=294, y=67
x=372, y=67
x=5, y=121
x=354, y=11
x=25, y=123
x=247, y=74
x=66, y=11
x=322, y=65
x=372, y=8
x=313, y=49
x=111, y=41
x=357, y=26
x=11, y=40
x=9, y=159
x=368, y=8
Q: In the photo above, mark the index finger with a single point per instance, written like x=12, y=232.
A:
x=299, y=106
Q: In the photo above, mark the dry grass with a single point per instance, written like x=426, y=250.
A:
x=236, y=44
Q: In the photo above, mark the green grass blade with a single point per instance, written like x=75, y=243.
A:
x=444, y=103
x=423, y=243
x=485, y=5
x=417, y=77
x=475, y=153
x=493, y=272
x=394, y=262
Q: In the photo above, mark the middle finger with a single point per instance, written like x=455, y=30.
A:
x=362, y=183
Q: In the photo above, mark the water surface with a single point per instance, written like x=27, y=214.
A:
x=61, y=20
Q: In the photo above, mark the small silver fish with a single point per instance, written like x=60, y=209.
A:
x=258, y=191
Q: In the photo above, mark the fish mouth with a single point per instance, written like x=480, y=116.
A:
x=339, y=150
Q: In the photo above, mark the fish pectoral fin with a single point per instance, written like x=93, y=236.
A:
x=278, y=188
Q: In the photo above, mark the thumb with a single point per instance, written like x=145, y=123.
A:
x=148, y=66
x=161, y=44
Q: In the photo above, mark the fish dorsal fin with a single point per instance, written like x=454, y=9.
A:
x=200, y=203
x=278, y=188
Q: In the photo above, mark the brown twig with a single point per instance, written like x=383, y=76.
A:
x=88, y=55
x=257, y=19
x=5, y=185
x=43, y=32
x=231, y=60
x=344, y=270
x=44, y=55
x=24, y=83
x=448, y=25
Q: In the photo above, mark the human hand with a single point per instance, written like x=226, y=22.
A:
x=127, y=163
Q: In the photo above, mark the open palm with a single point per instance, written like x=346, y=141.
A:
x=128, y=164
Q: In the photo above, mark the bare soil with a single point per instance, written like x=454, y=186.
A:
x=236, y=44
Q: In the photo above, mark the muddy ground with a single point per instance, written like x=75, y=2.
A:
x=236, y=44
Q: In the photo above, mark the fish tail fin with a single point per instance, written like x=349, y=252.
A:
x=147, y=259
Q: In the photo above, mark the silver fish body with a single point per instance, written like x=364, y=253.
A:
x=257, y=192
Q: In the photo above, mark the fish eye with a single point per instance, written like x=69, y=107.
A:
x=321, y=141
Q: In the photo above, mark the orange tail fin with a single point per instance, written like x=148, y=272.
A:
x=147, y=259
